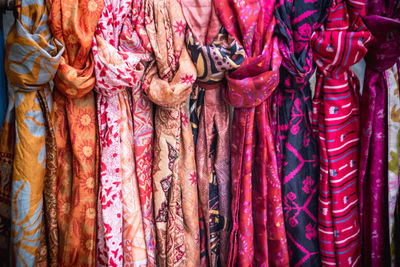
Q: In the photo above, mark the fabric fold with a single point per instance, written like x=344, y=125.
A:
x=32, y=58
x=121, y=54
x=73, y=23
x=380, y=126
x=210, y=117
x=168, y=83
x=296, y=147
x=336, y=119
x=258, y=234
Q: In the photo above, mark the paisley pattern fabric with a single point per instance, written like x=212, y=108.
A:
x=336, y=118
x=121, y=53
x=75, y=125
x=383, y=20
x=209, y=115
x=296, y=147
x=258, y=235
x=168, y=83
x=34, y=238
x=393, y=135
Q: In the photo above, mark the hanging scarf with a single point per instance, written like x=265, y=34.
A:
x=297, y=152
x=395, y=246
x=168, y=83
x=213, y=53
x=336, y=117
x=32, y=58
x=73, y=23
x=3, y=82
x=383, y=20
x=121, y=53
x=258, y=235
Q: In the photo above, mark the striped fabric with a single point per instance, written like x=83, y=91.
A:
x=336, y=121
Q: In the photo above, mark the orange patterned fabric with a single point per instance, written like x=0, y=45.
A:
x=73, y=23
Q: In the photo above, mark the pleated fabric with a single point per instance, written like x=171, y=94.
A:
x=336, y=118
x=258, y=236
x=73, y=23
x=378, y=105
x=297, y=148
x=213, y=54
x=168, y=83
x=31, y=60
x=121, y=54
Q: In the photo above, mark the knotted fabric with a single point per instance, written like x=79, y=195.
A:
x=32, y=58
x=336, y=120
x=378, y=186
x=297, y=152
x=258, y=234
x=121, y=53
x=168, y=83
x=73, y=23
x=209, y=115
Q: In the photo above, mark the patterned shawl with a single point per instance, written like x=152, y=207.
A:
x=75, y=125
x=121, y=53
x=32, y=58
x=213, y=53
x=379, y=125
x=168, y=83
x=336, y=120
x=258, y=234
x=297, y=152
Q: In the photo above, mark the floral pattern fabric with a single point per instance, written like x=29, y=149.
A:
x=258, y=234
x=121, y=53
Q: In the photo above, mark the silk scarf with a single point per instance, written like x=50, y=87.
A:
x=31, y=60
x=297, y=152
x=73, y=23
x=383, y=20
x=258, y=235
x=168, y=83
x=121, y=54
x=336, y=120
x=392, y=82
x=213, y=54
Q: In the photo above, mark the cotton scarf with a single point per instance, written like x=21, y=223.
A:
x=213, y=53
x=121, y=53
x=73, y=23
x=258, y=235
x=297, y=152
x=168, y=83
x=31, y=60
x=336, y=119
x=383, y=20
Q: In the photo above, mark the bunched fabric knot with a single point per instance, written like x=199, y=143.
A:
x=31, y=59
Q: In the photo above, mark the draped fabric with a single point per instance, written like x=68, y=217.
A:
x=297, y=151
x=3, y=83
x=73, y=23
x=31, y=60
x=383, y=20
x=258, y=236
x=209, y=115
x=168, y=83
x=121, y=53
x=395, y=246
x=336, y=118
